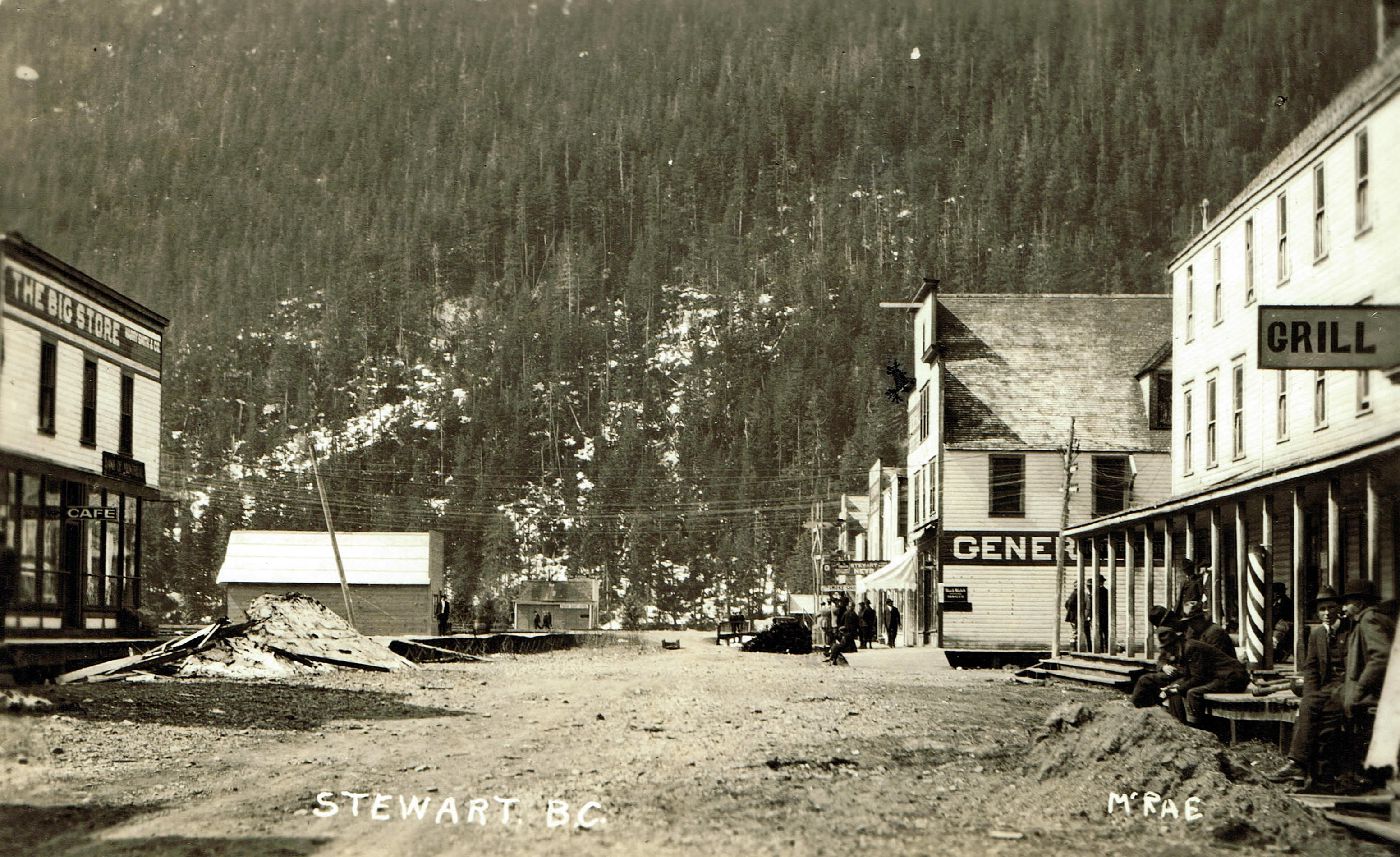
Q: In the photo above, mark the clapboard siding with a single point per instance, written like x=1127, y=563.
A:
x=19, y=425
x=378, y=609
x=1356, y=268
x=1010, y=607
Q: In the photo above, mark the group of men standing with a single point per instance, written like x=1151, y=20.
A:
x=845, y=624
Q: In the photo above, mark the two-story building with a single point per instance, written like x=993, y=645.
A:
x=998, y=380
x=1285, y=431
x=80, y=368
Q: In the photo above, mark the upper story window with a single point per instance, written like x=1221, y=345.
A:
x=127, y=414
x=1283, y=268
x=1159, y=401
x=1281, y=426
x=1363, y=391
x=1363, y=181
x=1007, y=486
x=1320, y=399
x=1211, y=417
x=1186, y=450
x=1237, y=410
x=48, y=380
x=88, y=432
x=1320, y=243
x=1216, y=297
x=923, y=413
x=1249, y=261
x=1111, y=484
x=1190, y=303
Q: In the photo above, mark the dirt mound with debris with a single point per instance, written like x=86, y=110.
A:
x=1083, y=754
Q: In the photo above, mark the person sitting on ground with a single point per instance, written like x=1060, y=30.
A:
x=1320, y=715
x=867, y=623
x=1147, y=691
x=1204, y=669
x=1197, y=626
x=1368, y=655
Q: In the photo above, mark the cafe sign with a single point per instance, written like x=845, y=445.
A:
x=1355, y=336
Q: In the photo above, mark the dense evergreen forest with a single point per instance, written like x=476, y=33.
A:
x=592, y=285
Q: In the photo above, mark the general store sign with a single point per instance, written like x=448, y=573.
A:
x=28, y=291
x=1000, y=548
x=1329, y=337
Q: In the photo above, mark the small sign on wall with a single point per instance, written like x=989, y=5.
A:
x=954, y=599
x=91, y=513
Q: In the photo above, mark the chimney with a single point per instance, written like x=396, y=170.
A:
x=1387, y=22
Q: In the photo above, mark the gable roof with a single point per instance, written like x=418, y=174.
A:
x=1162, y=356
x=287, y=557
x=1017, y=367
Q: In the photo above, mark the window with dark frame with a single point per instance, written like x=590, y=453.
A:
x=1249, y=261
x=1363, y=391
x=1282, y=426
x=1160, y=404
x=1216, y=293
x=1110, y=478
x=1320, y=243
x=88, y=434
x=48, y=380
x=1320, y=399
x=1211, y=415
x=1190, y=303
x=1363, y=180
x=1283, y=268
x=1237, y=410
x=1186, y=450
x=128, y=407
x=1007, y=486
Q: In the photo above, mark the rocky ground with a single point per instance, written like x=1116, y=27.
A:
x=703, y=750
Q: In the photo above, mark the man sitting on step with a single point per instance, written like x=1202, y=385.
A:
x=1147, y=692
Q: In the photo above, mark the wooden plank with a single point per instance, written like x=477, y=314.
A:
x=438, y=650
x=327, y=659
x=1387, y=830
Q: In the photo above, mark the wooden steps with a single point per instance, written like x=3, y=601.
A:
x=1102, y=670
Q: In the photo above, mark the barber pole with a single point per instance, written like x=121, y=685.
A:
x=1256, y=632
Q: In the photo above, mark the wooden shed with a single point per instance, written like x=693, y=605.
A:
x=561, y=605
x=393, y=577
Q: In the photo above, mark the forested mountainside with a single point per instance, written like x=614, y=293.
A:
x=592, y=285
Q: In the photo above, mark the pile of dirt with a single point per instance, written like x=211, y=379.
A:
x=1084, y=754
x=239, y=657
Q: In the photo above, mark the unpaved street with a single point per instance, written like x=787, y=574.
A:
x=704, y=750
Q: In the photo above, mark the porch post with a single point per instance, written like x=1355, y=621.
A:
x=1297, y=571
x=1149, y=579
x=1334, y=533
x=1112, y=596
x=1217, y=580
x=1266, y=539
x=1373, y=529
x=1241, y=571
x=1129, y=563
x=1094, y=595
x=1081, y=626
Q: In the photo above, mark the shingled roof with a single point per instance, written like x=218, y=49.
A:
x=547, y=591
x=1019, y=366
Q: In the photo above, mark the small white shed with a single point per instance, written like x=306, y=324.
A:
x=393, y=577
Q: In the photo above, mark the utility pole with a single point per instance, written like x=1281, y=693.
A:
x=1071, y=454
x=330, y=528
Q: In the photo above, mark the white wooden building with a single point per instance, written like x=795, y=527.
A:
x=998, y=378
x=80, y=370
x=393, y=577
x=1303, y=461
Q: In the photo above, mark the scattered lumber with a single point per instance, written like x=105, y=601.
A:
x=420, y=652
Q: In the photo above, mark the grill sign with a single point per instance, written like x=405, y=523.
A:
x=1329, y=337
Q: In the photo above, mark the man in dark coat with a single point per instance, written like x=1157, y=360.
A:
x=867, y=623
x=1193, y=588
x=1204, y=669
x=891, y=621
x=1147, y=691
x=1072, y=616
x=442, y=611
x=1320, y=715
x=1101, y=611
x=1198, y=626
x=1282, y=611
x=1368, y=654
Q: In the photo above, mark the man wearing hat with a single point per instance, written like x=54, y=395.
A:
x=1192, y=595
x=1197, y=626
x=1320, y=709
x=1147, y=691
x=1368, y=653
x=1204, y=669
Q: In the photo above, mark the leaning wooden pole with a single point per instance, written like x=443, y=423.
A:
x=330, y=528
x=1060, y=548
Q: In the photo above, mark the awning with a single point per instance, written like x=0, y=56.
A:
x=895, y=574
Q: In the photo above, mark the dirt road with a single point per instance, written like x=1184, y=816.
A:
x=705, y=750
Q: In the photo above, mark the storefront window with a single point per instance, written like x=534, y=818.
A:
x=93, y=590
x=51, y=583
x=112, y=555
x=130, y=519
x=29, y=513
